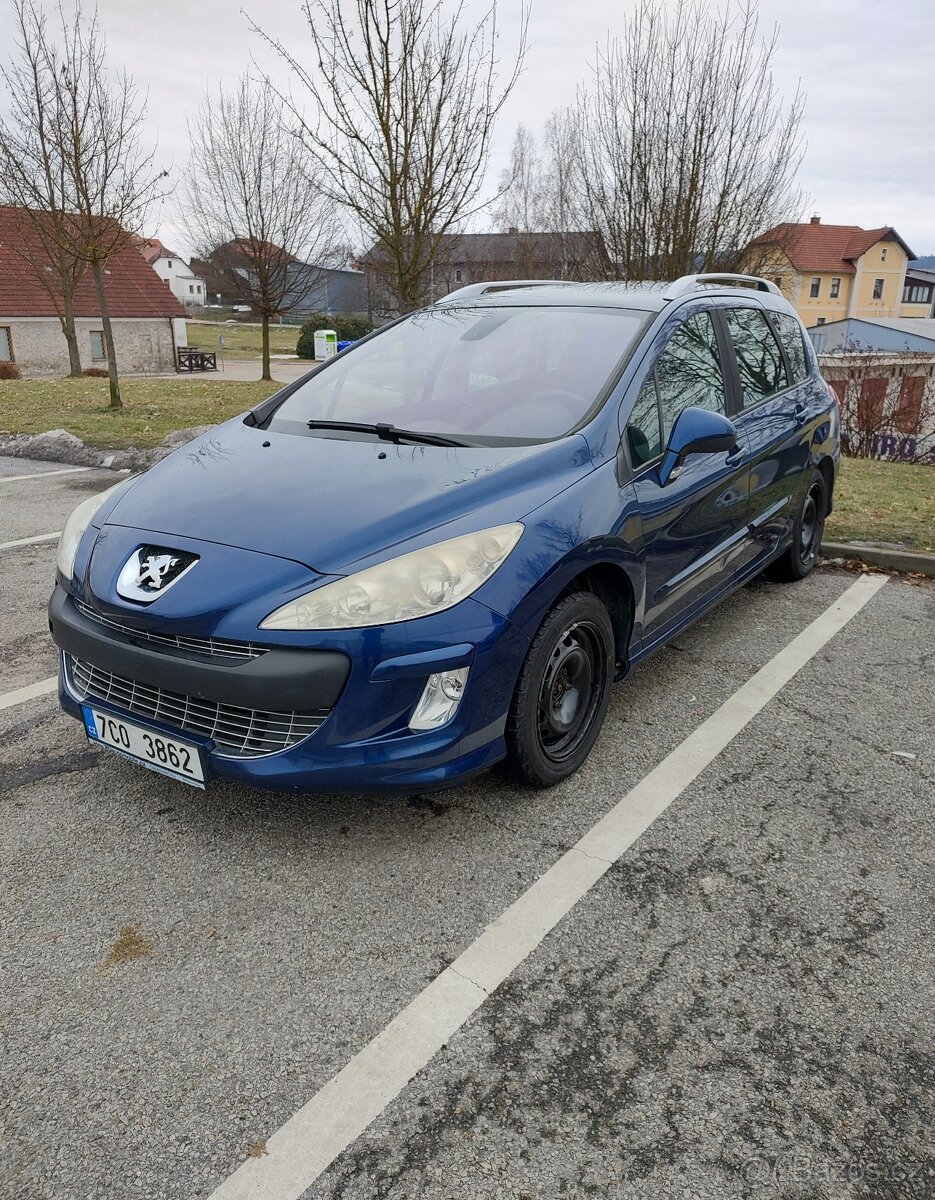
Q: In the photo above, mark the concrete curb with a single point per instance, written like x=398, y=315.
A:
x=906, y=561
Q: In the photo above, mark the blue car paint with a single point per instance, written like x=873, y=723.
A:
x=271, y=522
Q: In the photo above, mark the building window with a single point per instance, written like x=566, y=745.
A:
x=883, y=255
x=98, y=349
x=191, y=289
x=870, y=404
x=6, y=344
x=835, y=288
x=170, y=264
x=908, y=416
x=878, y=289
x=458, y=276
x=917, y=293
x=820, y=321
x=816, y=287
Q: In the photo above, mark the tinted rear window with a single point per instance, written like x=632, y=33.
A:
x=487, y=374
x=792, y=337
x=759, y=359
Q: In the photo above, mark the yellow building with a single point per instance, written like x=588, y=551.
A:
x=830, y=272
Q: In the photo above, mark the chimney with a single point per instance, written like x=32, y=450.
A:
x=816, y=219
x=513, y=230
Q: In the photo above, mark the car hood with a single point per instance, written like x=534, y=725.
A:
x=333, y=503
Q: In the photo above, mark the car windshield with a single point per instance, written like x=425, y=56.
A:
x=482, y=375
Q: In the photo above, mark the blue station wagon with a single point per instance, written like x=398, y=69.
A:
x=437, y=551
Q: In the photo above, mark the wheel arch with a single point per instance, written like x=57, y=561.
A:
x=826, y=467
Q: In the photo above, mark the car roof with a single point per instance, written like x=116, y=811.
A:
x=640, y=296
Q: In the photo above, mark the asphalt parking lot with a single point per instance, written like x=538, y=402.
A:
x=741, y=1005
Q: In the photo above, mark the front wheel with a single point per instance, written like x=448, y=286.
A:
x=807, y=531
x=562, y=693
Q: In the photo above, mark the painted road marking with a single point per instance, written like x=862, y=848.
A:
x=31, y=541
x=44, y=687
x=43, y=474
x=309, y=1142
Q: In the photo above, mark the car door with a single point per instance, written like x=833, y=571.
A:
x=695, y=524
x=774, y=410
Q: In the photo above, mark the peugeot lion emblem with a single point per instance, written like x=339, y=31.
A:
x=152, y=570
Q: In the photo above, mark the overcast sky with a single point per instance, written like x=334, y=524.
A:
x=868, y=70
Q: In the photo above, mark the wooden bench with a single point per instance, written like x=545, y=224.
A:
x=192, y=359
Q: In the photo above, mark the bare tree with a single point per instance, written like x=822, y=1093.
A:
x=76, y=159
x=32, y=170
x=111, y=173
x=684, y=148
x=405, y=94
x=255, y=204
x=521, y=184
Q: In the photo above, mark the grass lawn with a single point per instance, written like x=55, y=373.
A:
x=242, y=341
x=884, y=502
x=152, y=407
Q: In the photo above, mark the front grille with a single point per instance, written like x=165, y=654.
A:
x=212, y=647
x=238, y=732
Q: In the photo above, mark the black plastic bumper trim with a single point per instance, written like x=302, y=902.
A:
x=280, y=679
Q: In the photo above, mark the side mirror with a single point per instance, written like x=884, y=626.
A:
x=696, y=431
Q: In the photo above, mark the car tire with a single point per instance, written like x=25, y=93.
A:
x=562, y=693
x=799, y=559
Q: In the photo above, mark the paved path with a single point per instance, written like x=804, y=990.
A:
x=737, y=1007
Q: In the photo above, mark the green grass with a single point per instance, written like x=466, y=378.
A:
x=884, y=502
x=152, y=407
x=874, y=501
x=242, y=341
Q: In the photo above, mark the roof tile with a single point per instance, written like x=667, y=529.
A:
x=132, y=287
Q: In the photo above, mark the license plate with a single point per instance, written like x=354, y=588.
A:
x=168, y=756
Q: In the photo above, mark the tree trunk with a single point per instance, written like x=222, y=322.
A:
x=109, y=349
x=267, y=374
x=71, y=336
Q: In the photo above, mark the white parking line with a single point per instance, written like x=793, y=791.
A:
x=42, y=474
x=309, y=1142
x=31, y=541
x=43, y=688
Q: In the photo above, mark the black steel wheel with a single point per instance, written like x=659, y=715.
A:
x=808, y=529
x=562, y=693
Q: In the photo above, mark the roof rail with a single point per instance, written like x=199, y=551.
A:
x=472, y=290
x=688, y=283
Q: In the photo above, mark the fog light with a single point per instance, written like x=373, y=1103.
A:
x=440, y=699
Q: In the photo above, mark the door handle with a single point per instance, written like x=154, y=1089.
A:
x=800, y=412
x=734, y=455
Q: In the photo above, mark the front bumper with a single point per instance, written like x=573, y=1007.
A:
x=355, y=690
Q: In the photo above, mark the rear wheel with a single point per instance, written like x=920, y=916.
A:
x=562, y=693
x=807, y=533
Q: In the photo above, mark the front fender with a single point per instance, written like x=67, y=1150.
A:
x=594, y=523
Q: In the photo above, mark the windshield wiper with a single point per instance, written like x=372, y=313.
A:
x=388, y=433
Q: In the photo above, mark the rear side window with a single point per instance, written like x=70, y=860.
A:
x=792, y=338
x=759, y=359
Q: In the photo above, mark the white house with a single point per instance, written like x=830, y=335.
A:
x=184, y=284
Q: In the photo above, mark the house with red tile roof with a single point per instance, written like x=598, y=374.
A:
x=187, y=287
x=148, y=321
x=832, y=272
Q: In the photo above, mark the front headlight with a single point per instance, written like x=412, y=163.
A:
x=413, y=585
x=74, y=529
